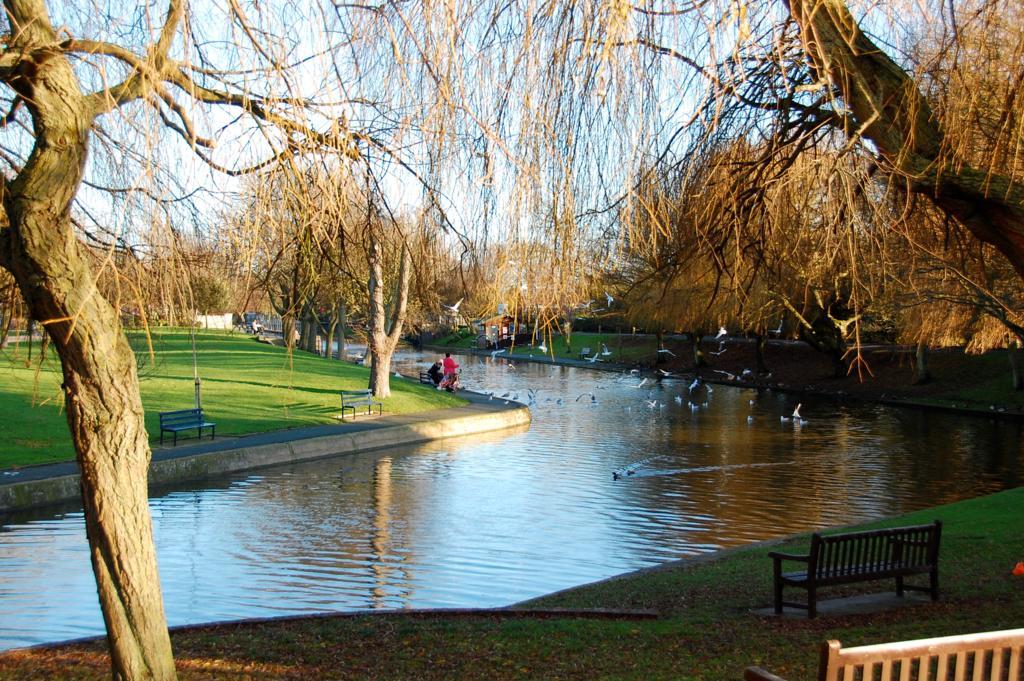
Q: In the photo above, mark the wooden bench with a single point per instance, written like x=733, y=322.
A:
x=892, y=553
x=350, y=399
x=584, y=352
x=184, y=419
x=425, y=378
x=993, y=656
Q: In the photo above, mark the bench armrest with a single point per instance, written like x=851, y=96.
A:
x=777, y=556
x=758, y=674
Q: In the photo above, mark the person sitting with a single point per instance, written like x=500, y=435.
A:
x=435, y=372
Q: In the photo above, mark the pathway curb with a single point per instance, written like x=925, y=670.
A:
x=47, y=485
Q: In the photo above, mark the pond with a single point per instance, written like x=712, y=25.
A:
x=611, y=476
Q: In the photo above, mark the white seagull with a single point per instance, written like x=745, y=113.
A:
x=721, y=332
x=542, y=347
x=453, y=308
x=695, y=384
x=778, y=330
x=608, y=297
x=667, y=352
x=498, y=352
x=605, y=351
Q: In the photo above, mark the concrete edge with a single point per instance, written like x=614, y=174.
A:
x=47, y=491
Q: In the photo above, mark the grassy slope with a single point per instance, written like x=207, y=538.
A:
x=707, y=630
x=247, y=387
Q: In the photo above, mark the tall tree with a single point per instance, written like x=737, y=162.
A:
x=384, y=331
x=61, y=98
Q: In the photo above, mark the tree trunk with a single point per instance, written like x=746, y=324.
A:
x=288, y=330
x=342, y=352
x=922, y=372
x=761, y=354
x=104, y=411
x=699, y=360
x=1013, y=352
x=8, y=318
x=890, y=110
x=381, y=342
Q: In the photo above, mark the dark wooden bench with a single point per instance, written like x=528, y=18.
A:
x=425, y=378
x=893, y=553
x=184, y=419
x=992, y=655
x=584, y=352
x=350, y=399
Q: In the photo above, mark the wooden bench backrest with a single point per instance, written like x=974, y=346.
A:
x=874, y=551
x=174, y=418
x=988, y=656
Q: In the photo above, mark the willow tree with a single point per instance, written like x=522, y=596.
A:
x=66, y=95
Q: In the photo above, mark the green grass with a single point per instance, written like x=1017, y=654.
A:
x=247, y=387
x=706, y=629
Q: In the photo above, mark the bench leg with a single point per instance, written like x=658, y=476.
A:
x=778, y=597
x=934, y=579
x=812, y=602
x=899, y=586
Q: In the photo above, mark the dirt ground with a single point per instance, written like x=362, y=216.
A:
x=960, y=381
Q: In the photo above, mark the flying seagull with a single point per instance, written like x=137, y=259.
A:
x=604, y=350
x=667, y=352
x=453, y=308
x=498, y=352
x=609, y=298
x=721, y=332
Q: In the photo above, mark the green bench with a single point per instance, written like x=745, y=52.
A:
x=350, y=399
x=184, y=419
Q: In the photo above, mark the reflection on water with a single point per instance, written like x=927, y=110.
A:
x=597, y=486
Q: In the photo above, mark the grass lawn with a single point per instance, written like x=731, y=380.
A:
x=706, y=629
x=624, y=347
x=247, y=387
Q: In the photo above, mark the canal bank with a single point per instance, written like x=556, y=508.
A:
x=36, y=486
x=802, y=377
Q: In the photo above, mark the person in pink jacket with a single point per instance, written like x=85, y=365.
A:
x=449, y=365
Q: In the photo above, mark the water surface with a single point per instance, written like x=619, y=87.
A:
x=610, y=477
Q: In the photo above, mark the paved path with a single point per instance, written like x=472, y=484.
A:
x=51, y=483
